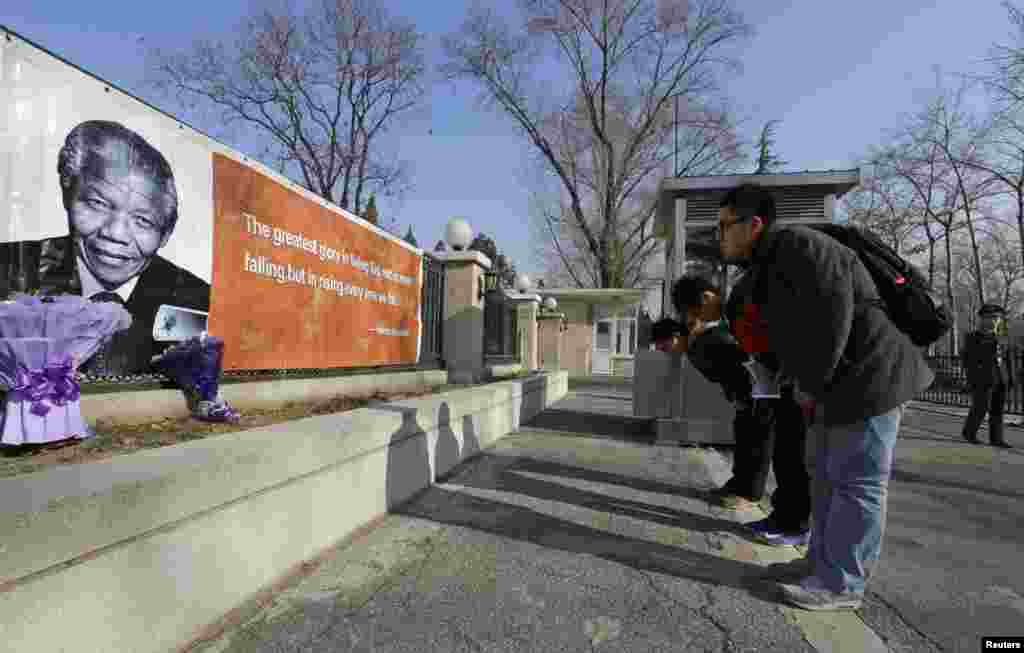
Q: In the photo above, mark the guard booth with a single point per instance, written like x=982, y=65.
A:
x=685, y=406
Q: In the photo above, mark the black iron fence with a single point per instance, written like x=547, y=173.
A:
x=501, y=342
x=432, y=310
x=950, y=385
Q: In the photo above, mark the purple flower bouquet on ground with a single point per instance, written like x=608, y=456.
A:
x=42, y=343
x=195, y=365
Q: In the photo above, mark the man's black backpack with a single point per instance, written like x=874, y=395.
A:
x=905, y=291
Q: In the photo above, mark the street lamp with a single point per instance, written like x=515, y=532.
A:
x=458, y=234
x=522, y=282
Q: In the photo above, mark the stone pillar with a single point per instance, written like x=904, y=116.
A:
x=464, y=315
x=527, y=307
x=549, y=331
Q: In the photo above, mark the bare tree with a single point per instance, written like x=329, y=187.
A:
x=606, y=140
x=945, y=125
x=999, y=155
x=886, y=205
x=923, y=167
x=1000, y=138
x=1006, y=78
x=1000, y=251
x=320, y=88
x=767, y=160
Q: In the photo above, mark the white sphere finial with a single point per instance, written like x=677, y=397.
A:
x=458, y=234
x=550, y=303
x=522, y=282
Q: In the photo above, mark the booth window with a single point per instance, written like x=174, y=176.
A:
x=604, y=335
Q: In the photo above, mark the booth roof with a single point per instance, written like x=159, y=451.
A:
x=837, y=182
x=595, y=295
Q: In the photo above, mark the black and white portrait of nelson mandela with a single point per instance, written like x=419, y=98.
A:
x=121, y=201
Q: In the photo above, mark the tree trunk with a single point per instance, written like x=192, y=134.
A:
x=976, y=260
x=361, y=177
x=949, y=292
x=1020, y=219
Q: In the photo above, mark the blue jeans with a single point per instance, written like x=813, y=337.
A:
x=852, y=464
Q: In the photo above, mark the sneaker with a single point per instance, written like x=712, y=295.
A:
x=811, y=594
x=784, y=538
x=794, y=570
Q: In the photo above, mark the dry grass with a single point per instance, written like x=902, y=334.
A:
x=117, y=439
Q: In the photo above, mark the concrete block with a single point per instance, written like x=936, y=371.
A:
x=140, y=552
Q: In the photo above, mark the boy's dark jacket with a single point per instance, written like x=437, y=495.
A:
x=814, y=294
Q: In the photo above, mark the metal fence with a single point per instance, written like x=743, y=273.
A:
x=950, y=385
x=432, y=310
x=501, y=344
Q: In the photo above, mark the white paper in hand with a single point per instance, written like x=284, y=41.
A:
x=765, y=383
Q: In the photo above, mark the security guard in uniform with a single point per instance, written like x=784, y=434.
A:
x=986, y=363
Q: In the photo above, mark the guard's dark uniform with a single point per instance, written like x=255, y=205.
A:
x=988, y=377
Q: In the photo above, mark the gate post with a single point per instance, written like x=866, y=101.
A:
x=464, y=315
x=549, y=333
x=527, y=306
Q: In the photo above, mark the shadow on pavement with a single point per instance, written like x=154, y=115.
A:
x=910, y=477
x=409, y=469
x=573, y=422
x=506, y=476
x=504, y=473
x=515, y=522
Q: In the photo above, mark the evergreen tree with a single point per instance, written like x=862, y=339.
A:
x=767, y=160
x=370, y=215
x=410, y=238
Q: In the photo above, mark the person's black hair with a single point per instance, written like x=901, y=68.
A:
x=666, y=328
x=748, y=200
x=689, y=291
x=92, y=141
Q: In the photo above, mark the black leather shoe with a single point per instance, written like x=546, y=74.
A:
x=973, y=440
x=1002, y=444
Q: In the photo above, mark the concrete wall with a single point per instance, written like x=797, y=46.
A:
x=143, y=551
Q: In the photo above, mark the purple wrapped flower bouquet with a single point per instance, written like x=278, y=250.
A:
x=42, y=343
x=195, y=365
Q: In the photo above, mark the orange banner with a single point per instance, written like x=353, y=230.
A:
x=297, y=285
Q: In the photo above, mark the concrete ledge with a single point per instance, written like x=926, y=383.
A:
x=600, y=379
x=145, y=406
x=503, y=371
x=139, y=552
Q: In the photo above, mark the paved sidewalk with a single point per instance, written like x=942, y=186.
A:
x=574, y=534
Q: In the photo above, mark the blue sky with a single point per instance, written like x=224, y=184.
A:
x=837, y=74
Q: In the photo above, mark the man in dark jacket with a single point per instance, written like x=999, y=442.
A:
x=827, y=327
x=988, y=376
